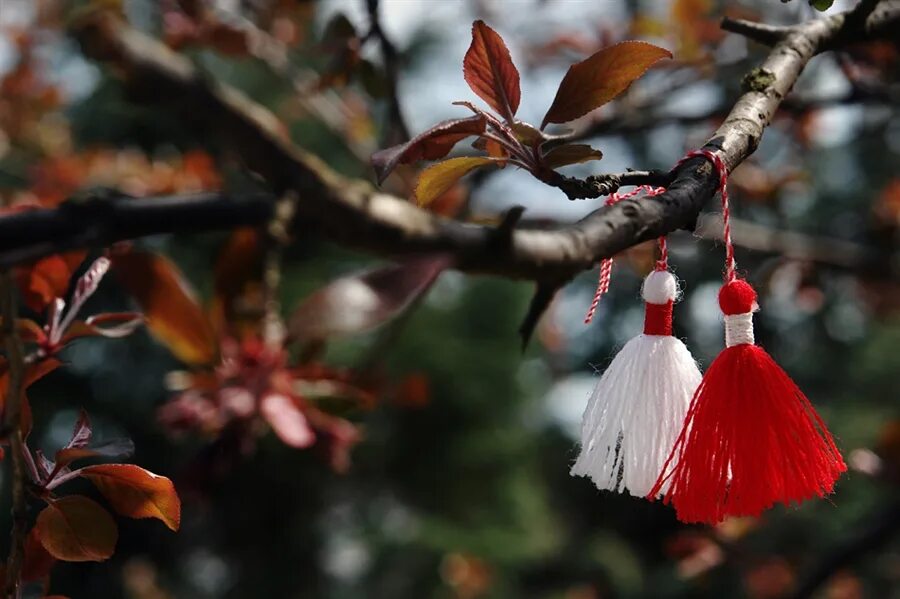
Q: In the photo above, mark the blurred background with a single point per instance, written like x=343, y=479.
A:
x=457, y=484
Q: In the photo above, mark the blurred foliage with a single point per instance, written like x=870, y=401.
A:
x=459, y=487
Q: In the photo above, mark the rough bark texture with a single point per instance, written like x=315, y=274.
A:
x=354, y=214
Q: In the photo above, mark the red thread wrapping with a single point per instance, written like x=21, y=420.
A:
x=658, y=318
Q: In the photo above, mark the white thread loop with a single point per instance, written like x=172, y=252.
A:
x=739, y=329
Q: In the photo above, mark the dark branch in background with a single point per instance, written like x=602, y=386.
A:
x=99, y=222
x=879, y=528
x=647, y=116
x=797, y=246
x=397, y=131
x=354, y=214
x=758, y=32
x=15, y=362
x=326, y=106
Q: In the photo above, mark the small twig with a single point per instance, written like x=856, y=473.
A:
x=398, y=132
x=504, y=231
x=12, y=420
x=597, y=186
x=278, y=237
x=758, y=32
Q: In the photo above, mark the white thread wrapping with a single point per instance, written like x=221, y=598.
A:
x=738, y=329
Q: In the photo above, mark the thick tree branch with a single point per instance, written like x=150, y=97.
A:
x=353, y=213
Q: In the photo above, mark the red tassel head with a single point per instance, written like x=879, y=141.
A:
x=751, y=438
x=737, y=297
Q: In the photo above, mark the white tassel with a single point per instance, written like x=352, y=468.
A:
x=637, y=409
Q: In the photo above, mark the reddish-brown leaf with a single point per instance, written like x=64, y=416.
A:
x=33, y=373
x=37, y=561
x=490, y=71
x=360, y=302
x=286, y=419
x=493, y=149
x=168, y=303
x=438, y=178
x=47, y=279
x=112, y=325
x=136, y=493
x=116, y=448
x=228, y=39
x=238, y=265
x=77, y=529
x=432, y=144
x=571, y=154
x=601, y=77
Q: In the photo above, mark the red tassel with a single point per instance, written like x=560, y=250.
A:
x=751, y=438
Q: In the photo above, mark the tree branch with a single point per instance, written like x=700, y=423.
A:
x=11, y=422
x=879, y=527
x=758, y=32
x=397, y=131
x=351, y=212
x=797, y=246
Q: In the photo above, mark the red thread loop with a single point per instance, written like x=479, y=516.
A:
x=658, y=318
x=607, y=263
x=722, y=171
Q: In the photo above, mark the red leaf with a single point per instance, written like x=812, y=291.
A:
x=490, y=72
x=77, y=529
x=30, y=331
x=286, y=419
x=601, y=77
x=37, y=561
x=168, y=303
x=571, y=154
x=361, y=302
x=47, y=278
x=432, y=144
x=136, y=493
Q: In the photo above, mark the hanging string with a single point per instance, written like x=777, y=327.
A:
x=722, y=171
x=607, y=263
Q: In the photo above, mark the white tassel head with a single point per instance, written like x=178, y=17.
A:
x=660, y=287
